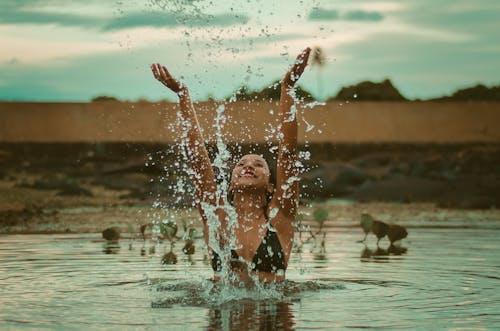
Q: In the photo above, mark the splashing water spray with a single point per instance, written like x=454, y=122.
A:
x=228, y=287
x=186, y=10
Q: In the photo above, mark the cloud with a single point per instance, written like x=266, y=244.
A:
x=361, y=15
x=31, y=12
x=23, y=17
x=166, y=19
x=321, y=14
x=482, y=21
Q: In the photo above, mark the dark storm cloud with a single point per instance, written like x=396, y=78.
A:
x=321, y=14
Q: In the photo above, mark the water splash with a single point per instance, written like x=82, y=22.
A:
x=207, y=293
x=220, y=43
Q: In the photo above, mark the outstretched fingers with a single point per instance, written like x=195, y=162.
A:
x=156, y=71
x=159, y=72
x=165, y=75
x=162, y=74
x=301, y=63
x=298, y=67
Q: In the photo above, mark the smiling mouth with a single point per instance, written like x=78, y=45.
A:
x=247, y=174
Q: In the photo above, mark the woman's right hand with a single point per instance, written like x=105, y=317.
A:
x=293, y=75
x=163, y=76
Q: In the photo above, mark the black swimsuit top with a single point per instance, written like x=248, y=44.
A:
x=269, y=256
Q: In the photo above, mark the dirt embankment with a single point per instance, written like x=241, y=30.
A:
x=116, y=158
x=359, y=122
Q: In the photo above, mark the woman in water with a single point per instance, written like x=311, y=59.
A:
x=265, y=212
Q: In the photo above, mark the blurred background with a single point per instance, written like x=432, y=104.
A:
x=400, y=102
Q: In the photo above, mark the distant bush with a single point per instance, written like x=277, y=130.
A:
x=370, y=91
x=104, y=98
x=269, y=93
x=474, y=93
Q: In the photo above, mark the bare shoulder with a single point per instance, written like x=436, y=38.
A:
x=280, y=219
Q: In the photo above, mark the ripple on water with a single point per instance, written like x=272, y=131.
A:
x=447, y=278
x=209, y=293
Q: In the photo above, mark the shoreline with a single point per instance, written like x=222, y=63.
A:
x=342, y=214
x=87, y=187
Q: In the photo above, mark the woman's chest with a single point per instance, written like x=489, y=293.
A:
x=248, y=239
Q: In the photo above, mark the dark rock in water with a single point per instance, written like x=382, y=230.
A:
x=396, y=232
x=111, y=234
x=188, y=248
x=169, y=258
x=379, y=229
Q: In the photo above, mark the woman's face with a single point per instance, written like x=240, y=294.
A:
x=251, y=171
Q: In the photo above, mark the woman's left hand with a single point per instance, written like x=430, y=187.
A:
x=293, y=75
x=163, y=76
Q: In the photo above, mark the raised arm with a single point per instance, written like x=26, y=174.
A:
x=287, y=186
x=203, y=175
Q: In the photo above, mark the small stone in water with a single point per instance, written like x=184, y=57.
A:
x=111, y=234
x=169, y=258
x=188, y=248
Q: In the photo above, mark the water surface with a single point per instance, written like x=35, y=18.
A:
x=443, y=279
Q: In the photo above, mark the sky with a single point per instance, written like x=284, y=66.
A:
x=75, y=50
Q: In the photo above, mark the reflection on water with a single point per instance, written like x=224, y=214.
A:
x=169, y=258
x=378, y=254
x=441, y=279
x=268, y=308
x=252, y=315
x=111, y=247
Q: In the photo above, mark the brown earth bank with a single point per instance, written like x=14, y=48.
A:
x=252, y=121
x=40, y=182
